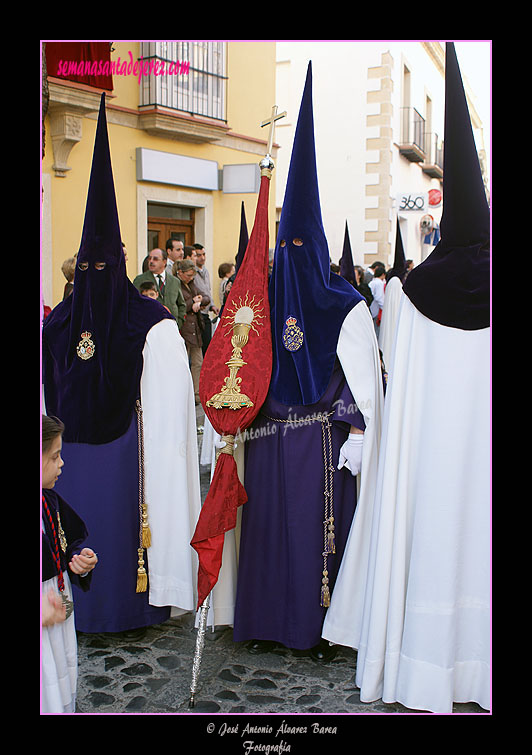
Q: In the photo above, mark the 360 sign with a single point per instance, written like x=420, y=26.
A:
x=419, y=201
x=412, y=202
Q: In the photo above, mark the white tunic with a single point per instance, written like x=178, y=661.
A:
x=172, y=485
x=390, y=308
x=59, y=658
x=418, y=607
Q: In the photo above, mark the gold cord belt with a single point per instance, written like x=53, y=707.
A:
x=144, y=534
x=328, y=521
x=229, y=447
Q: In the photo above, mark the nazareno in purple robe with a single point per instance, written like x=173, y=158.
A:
x=103, y=481
x=282, y=540
x=95, y=398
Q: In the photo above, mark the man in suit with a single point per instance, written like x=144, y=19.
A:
x=202, y=282
x=174, y=250
x=169, y=287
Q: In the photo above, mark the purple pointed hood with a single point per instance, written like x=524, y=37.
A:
x=93, y=340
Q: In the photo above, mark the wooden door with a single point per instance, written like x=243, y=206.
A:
x=162, y=229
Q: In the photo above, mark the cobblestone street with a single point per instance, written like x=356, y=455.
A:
x=153, y=675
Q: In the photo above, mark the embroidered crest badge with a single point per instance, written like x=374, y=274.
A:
x=86, y=347
x=292, y=334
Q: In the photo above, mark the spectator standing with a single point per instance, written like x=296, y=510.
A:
x=225, y=271
x=202, y=282
x=192, y=327
x=174, y=250
x=169, y=289
x=370, y=271
x=68, y=268
x=189, y=252
x=150, y=290
x=361, y=286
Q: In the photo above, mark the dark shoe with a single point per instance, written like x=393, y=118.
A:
x=256, y=647
x=133, y=635
x=300, y=653
x=323, y=652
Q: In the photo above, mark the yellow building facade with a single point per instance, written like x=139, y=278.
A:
x=185, y=147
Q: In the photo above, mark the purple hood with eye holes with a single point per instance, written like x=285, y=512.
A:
x=93, y=340
x=308, y=303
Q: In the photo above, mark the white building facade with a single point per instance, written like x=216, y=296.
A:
x=378, y=119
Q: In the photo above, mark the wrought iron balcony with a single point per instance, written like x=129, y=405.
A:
x=412, y=141
x=183, y=93
x=433, y=165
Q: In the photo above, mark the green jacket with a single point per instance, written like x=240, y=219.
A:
x=172, y=295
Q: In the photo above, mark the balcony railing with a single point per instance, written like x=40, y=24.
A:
x=412, y=144
x=196, y=86
x=433, y=165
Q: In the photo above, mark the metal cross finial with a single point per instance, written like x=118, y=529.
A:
x=271, y=122
x=267, y=162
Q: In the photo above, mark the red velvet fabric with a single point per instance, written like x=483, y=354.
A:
x=62, y=58
x=218, y=514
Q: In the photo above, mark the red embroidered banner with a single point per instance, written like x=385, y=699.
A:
x=234, y=381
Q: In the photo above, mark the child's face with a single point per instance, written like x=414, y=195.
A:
x=150, y=293
x=52, y=463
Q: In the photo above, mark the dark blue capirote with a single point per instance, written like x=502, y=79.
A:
x=308, y=303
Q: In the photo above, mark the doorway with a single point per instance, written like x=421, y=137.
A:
x=169, y=222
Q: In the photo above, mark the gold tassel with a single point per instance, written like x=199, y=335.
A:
x=325, y=594
x=142, y=577
x=331, y=546
x=146, y=532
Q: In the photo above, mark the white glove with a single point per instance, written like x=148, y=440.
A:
x=351, y=453
x=219, y=443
